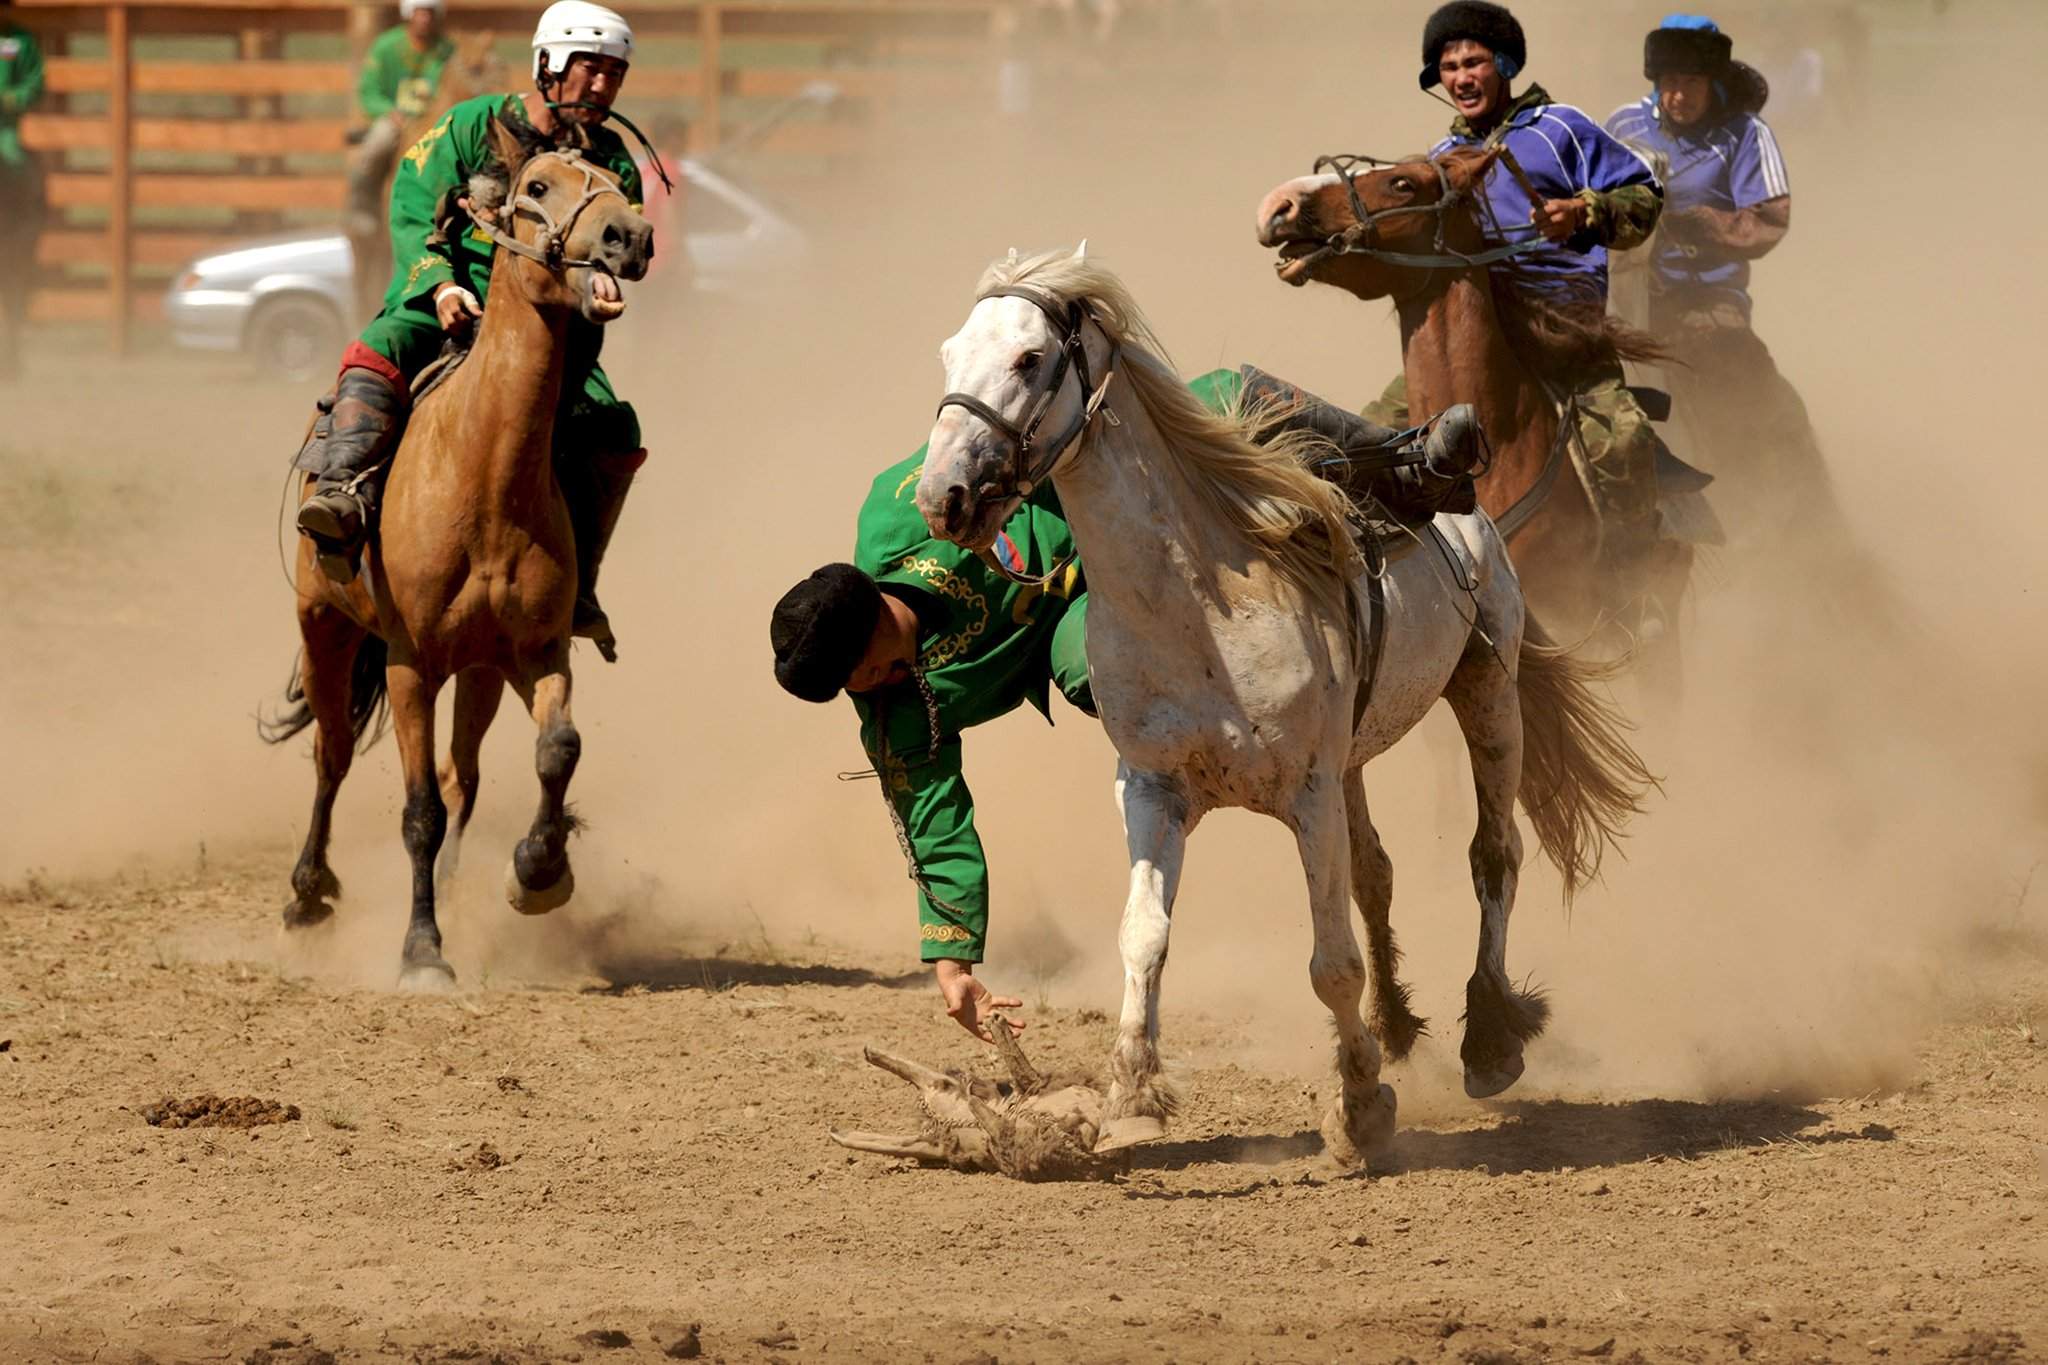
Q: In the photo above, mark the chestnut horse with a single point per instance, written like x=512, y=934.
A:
x=472, y=575
x=1465, y=339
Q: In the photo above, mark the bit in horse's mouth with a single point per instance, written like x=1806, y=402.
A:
x=1293, y=263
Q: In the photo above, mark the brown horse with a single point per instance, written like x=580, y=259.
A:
x=475, y=69
x=472, y=575
x=1466, y=339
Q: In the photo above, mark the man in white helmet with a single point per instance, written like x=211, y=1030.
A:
x=440, y=278
x=400, y=74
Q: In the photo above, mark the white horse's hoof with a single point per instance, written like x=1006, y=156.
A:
x=426, y=978
x=530, y=902
x=1116, y=1134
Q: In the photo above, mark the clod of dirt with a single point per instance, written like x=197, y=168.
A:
x=211, y=1111
x=978, y=1358
x=1594, y=1185
x=1605, y=1348
x=6, y=1044
x=484, y=1158
x=603, y=1338
x=687, y=1346
x=778, y=1341
x=510, y=1083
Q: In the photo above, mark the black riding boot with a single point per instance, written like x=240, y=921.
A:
x=357, y=427
x=595, y=488
x=1417, y=478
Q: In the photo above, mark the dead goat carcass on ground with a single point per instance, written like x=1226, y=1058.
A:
x=1032, y=1126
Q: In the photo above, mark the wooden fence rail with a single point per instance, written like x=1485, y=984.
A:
x=171, y=127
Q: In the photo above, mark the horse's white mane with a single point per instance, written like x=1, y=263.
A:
x=1265, y=493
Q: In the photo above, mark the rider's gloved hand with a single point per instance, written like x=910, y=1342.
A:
x=455, y=307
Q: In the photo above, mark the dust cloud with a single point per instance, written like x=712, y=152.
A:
x=1849, y=815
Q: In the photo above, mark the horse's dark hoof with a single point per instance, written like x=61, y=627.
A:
x=538, y=900
x=427, y=976
x=1485, y=1082
x=305, y=914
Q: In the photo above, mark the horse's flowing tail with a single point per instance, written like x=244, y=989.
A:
x=368, y=708
x=1580, y=778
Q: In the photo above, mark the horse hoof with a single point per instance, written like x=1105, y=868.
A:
x=427, y=977
x=300, y=915
x=1352, y=1131
x=1484, y=1083
x=1116, y=1134
x=529, y=901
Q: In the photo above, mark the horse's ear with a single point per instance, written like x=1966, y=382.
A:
x=1467, y=167
x=1081, y=251
x=506, y=148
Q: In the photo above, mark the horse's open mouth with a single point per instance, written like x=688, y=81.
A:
x=1296, y=260
x=602, y=298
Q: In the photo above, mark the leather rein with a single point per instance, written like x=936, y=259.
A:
x=1031, y=463
x=554, y=238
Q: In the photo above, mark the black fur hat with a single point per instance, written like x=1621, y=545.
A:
x=1686, y=52
x=1489, y=25
x=821, y=628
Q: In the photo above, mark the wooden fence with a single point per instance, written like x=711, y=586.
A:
x=171, y=127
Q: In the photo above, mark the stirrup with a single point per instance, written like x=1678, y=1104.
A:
x=320, y=519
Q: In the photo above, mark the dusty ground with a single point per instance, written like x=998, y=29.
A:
x=502, y=1173
x=1794, y=1105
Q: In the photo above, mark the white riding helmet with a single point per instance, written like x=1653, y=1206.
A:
x=408, y=8
x=568, y=27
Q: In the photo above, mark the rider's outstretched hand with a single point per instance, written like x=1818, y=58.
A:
x=455, y=307
x=969, y=1001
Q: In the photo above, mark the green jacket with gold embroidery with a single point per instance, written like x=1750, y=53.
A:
x=987, y=646
x=457, y=147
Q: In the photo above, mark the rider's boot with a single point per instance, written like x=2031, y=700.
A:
x=1419, y=482
x=357, y=426
x=595, y=488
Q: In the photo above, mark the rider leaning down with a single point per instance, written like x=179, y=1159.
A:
x=440, y=284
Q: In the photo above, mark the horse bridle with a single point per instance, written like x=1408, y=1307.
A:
x=1026, y=473
x=554, y=237
x=1361, y=238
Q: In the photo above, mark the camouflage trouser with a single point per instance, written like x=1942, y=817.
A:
x=1620, y=460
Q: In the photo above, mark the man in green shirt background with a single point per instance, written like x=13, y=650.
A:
x=397, y=84
x=22, y=206
x=439, y=285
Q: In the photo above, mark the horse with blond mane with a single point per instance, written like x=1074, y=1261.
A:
x=471, y=576
x=1244, y=654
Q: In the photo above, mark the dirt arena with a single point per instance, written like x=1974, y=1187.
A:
x=1794, y=1104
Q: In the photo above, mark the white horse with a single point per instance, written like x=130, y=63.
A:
x=1242, y=656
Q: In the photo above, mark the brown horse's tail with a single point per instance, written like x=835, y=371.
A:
x=1580, y=778
x=368, y=708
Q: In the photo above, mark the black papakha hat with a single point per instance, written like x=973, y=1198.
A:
x=821, y=628
x=1686, y=51
x=1490, y=26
